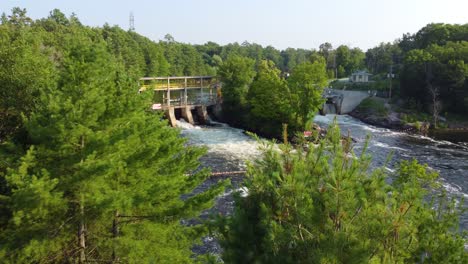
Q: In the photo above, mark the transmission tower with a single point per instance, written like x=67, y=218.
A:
x=132, y=22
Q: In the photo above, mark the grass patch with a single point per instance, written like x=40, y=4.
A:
x=413, y=117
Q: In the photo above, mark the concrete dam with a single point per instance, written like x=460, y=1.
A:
x=342, y=101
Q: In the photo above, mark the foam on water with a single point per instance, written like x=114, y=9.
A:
x=454, y=189
x=349, y=121
x=446, y=156
x=230, y=148
x=230, y=142
x=184, y=125
x=383, y=145
x=442, y=142
x=391, y=133
x=327, y=119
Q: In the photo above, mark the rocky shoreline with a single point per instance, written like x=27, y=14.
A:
x=392, y=121
x=455, y=133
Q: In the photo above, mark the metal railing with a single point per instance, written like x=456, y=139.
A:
x=177, y=83
x=182, y=91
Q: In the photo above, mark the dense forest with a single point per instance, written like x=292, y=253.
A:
x=430, y=66
x=88, y=174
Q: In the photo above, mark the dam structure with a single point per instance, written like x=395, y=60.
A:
x=342, y=102
x=182, y=95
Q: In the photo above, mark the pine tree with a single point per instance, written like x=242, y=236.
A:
x=103, y=179
x=323, y=204
x=25, y=69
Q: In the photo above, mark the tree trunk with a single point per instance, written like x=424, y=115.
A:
x=82, y=228
x=115, y=234
x=82, y=234
x=435, y=104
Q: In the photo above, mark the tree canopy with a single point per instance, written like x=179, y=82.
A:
x=437, y=57
x=321, y=204
x=88, y=174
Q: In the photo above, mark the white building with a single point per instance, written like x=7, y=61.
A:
x=360, y=76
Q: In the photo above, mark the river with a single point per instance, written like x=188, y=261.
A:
x=229, y=148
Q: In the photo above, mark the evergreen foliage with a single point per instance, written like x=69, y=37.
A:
x=25, y=69
x=88, y=174
x=322, y=204
x=95, y=177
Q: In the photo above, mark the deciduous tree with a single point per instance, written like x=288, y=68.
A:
x=269, y=101
x=236, y=74
x=306, y=84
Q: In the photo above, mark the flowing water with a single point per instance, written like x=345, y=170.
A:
x=449, y=159
x=229, y=148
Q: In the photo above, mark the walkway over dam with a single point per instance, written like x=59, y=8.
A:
x=182, y=95
x=186, y=93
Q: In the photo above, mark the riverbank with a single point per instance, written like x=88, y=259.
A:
x=378, y=112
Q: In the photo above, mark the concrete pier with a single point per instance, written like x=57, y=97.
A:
x=170, y=115
x=187, y=114
x=202, y=114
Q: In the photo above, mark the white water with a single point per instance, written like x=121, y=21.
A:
x=448, y=158
x=229, y=149
x=222, y=141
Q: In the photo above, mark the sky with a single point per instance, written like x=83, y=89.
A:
x=281, y=24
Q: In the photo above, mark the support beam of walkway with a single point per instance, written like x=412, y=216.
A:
x=185, y=92
x=168, y=93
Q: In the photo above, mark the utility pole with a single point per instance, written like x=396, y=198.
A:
x=132, y=22
x=334, y=65
x=390, y=77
